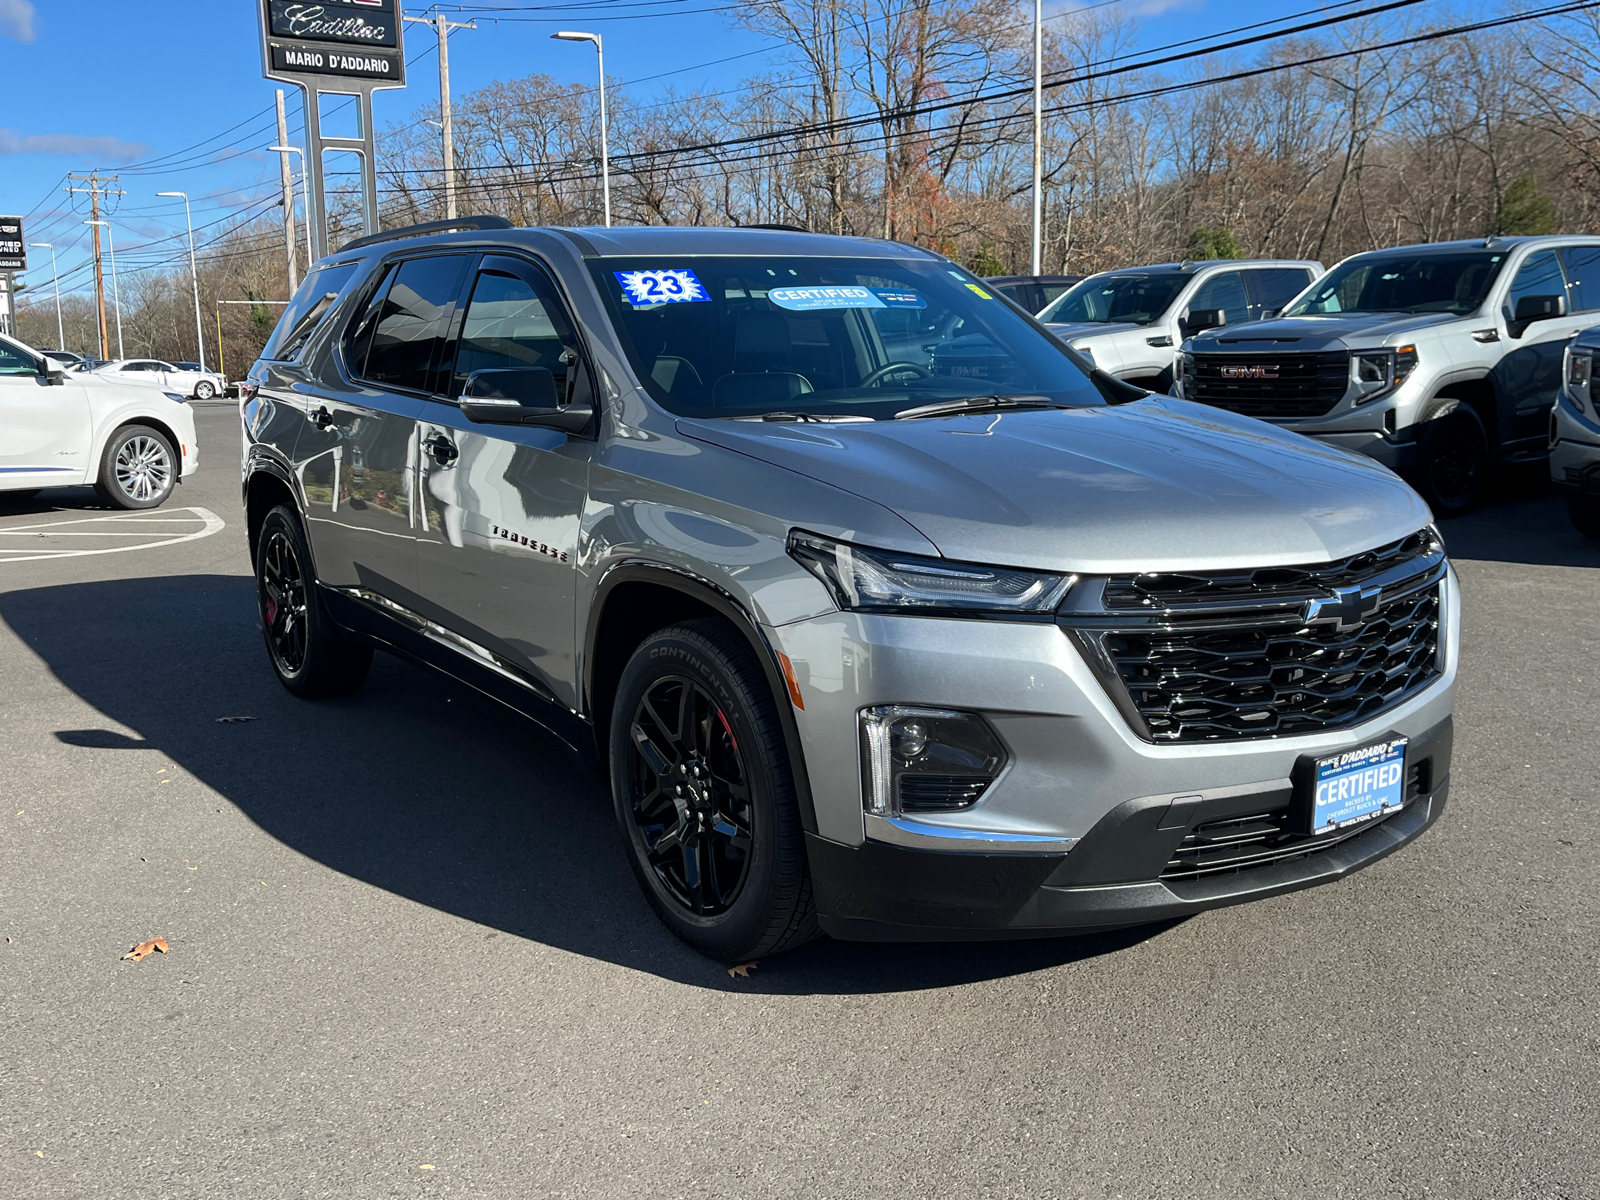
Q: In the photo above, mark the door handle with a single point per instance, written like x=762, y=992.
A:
x=442, y=448
x=321, y=418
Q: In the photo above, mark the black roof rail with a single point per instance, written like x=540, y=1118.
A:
x=485, y=221
x=780, y=228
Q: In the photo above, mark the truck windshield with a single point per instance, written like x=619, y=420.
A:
x=1409, y=283
x=827, y=338
x=1104, y=298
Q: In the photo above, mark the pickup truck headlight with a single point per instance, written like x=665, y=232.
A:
x=862, y=579
x=1378, y=372
x=1578, y=373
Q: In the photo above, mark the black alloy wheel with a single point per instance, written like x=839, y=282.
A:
x=691, y=796
x=1454, y=460
x=283, y=603
x=308, y=653
x=704, y=795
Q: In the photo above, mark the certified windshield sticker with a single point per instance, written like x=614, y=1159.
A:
x=645, y=289
x=808, y=299
x=899, y=298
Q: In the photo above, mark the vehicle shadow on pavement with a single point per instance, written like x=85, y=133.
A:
x=419, y=786
x=1522, y=520
x=72, y=499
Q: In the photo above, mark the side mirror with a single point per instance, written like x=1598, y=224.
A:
x=520, y=396
x=1535, y=308
x=1201, y=319
x=55, y=374
x=1268, y=314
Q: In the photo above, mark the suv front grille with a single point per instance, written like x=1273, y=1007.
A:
x=1266, y=653
x=1257, y=839
x=1270, y=385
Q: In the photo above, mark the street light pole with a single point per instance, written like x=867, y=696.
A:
x=116, y=296
x=605, y=161
x=61, y=337
x=194, y=275
x=305, y=186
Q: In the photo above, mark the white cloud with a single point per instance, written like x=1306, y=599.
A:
x=69, y=145
x=16, y=20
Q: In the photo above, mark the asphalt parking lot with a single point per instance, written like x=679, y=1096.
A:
x=407, y=957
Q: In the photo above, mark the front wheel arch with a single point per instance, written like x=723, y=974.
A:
x=634, y=600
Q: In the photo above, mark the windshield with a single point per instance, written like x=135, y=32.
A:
x=1102, y=298
x=1411, y=283
x=828, y=337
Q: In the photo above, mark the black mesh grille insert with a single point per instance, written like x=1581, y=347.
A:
x=1269, y=384
x=939, y=793
x=1270, y=652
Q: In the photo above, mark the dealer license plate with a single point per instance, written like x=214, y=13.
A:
x=1358, y=786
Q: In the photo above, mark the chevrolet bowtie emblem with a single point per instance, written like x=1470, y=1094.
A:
x=1347, y=607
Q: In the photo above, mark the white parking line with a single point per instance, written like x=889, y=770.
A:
x=209, y=523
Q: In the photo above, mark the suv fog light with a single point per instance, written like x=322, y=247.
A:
x=925, y=759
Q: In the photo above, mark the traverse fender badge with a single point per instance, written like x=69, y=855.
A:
x=1348, y=607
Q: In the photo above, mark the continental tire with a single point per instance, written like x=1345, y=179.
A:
x=704, y=797
x=307, y=653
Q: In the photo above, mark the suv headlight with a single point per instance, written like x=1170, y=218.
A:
x=862, y=579
x=925, y=759
x=175, y=396
x=1578, y=372
x=1378, y=372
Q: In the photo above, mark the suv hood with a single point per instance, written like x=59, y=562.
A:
x=1158, y=484
x=1080, y=329
x=1333, y=332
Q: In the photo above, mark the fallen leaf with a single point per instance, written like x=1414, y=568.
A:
x=742, y=971
x=144, y=948
x=427, y=1167
x=40, y=1153
x=235, y=720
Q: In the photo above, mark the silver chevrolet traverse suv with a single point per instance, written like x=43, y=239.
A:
x=883, y=612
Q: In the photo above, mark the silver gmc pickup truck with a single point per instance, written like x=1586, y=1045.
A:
x=880, y=612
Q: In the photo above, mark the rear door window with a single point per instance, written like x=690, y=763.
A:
x=413, y=321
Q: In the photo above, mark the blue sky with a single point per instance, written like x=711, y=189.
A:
x=92, y=83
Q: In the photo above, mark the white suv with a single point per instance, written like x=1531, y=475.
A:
x=1131, y=322
x=1435, y=360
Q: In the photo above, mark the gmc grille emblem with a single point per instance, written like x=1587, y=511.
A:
x=1259, y=371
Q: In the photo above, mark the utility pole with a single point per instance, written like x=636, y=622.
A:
x=1038, y=136
x=288, y=207
x=443, y=27
x=96, y=188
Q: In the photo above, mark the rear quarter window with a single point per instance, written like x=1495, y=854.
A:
x=311, y=303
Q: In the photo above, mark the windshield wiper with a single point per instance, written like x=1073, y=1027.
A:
x=805, y=418
x=972, y=404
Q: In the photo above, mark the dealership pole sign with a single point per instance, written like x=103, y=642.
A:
x=13, y=246
x=338, y=48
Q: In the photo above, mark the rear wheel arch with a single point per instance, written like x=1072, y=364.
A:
x=264, y=490
x=635, y=600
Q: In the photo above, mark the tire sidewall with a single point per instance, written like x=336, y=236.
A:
x=108, y=486
x=1434, y=435
x=280, y=521
x=678, y=652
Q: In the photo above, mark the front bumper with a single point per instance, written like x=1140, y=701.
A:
x=1031, y=855
x=1575, y=452
x=1112, y=878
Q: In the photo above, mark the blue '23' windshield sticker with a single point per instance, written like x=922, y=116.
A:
x=644, y=289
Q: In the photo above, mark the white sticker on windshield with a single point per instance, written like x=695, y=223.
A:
x=644, y=289
x=808, y=299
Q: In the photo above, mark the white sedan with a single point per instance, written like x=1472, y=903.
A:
x=202, y=385
x=133, y=444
